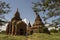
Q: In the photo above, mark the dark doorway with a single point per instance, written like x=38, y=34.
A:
x=21, y=32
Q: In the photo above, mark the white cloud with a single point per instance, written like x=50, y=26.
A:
x=46, y=24
x=25, y=20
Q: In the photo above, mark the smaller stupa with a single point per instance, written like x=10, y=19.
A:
x=38, y=24
x=29, y=29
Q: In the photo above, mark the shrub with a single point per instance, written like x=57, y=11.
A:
x=54, y=31
x=46, y=30
x=3, y=32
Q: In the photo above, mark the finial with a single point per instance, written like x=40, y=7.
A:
x=29, y=25
x=17, y=9
x=29, y=21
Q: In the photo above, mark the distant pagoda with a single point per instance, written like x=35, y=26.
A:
x=29, y=30
x=38, y=24
x=29, y=25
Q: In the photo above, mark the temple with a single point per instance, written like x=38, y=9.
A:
x=18, y=27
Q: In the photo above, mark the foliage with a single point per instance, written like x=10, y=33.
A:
x=3, y=32
x=4, y=9
x=59, y=30
x=2, y=22
x=52, y=7
x=56, y=21
x=53, y=31
x=46, y=31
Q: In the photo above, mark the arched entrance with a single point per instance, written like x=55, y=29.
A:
x=21, y=32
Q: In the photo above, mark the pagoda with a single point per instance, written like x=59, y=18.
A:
x=16, y=26
x=38, y=24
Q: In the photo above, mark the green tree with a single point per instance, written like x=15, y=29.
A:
x=52, y=7
x=4, y=9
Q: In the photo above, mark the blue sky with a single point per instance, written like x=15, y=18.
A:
x=24, y=7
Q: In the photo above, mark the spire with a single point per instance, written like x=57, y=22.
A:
x=37, y=17
x=17, y=15
x=38, y=20
x=17, y=9
x=29, y=25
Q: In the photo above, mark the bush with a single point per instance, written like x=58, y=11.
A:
x=3, y=32
x=46, y=30
x=54, y=31
x=59, y=30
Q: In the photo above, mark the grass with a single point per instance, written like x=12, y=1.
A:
x=35, y=36
x=41, y=36
x=11, y=37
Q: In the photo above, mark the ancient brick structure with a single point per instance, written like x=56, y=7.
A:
x=16, y=26
x=38, y=25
